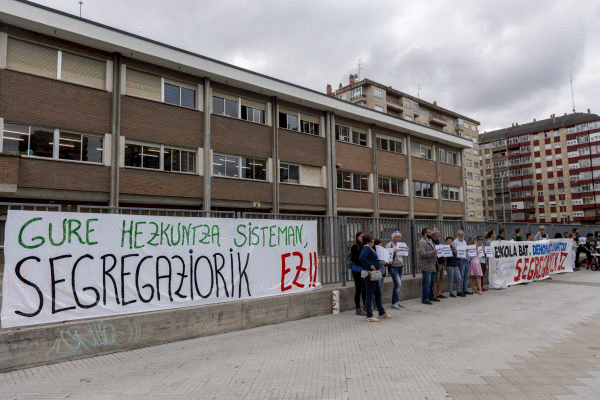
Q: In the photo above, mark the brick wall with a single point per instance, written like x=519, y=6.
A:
x=391, y=202
x=451, y=175
x=352, y=199
x=159, y=183
x=241, y=190
x=237, y=137
x=424, y=170
x=48, y=174
x=34, y=100
x=9, y=169
x=161, y=123
x=425, y=205
x=354, y=158
x=296, y=194
x=453, y=207
x=392, y=165
x=301, y=148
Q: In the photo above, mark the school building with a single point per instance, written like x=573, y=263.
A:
x=91, y=115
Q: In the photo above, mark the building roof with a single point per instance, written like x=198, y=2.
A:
x=537, y=126
x=37, y=18
x=408, y=96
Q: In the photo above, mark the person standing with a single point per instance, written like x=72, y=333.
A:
x=426, y=258
x=359, y=283
x=439, y=266
x=482, y=260
x=475, y=272
x=383, y=264
x=518, y=235
x=541, y=235
x=396, y=269
x=487, y=241
x=460, y=242
x=370, y=262
x=529, y=237
x=502, y=234
x=581, y=248
x=453, y=270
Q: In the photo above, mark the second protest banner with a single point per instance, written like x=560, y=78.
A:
x=519, y=262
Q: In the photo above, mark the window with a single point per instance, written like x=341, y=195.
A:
x=475, y=164
x=44, y=61
x=288, y=121
x=470, y=188
x=25, y=140
x=390, y=185
x=179, y=160
x=469, y=175
x=378, y=93
x=487, y=156
x=253, y=114
x=346, y=134
x=356, y=93
x=79, y=147
x=421, y=189
x=450, y=193
x=180, y=96
x=469, y=163
x=448, y=157
x=408, y=104
x=225, y=107
x=352, y=181
x=389, y=144
x=142, y=156
x=477, y=189
x=289, y=173
x=309, y=127
x=426, y=153
x=475, y=152
x=379, y=108
x=240, y=167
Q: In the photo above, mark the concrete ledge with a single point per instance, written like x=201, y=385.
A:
x=47, y=344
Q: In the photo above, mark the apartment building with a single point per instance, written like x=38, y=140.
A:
x=91, y=115
x=384, y=99
x=544, y=171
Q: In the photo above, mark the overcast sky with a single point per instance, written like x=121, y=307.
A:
x=496, y=61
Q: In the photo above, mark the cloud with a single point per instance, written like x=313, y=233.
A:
x=497, y=61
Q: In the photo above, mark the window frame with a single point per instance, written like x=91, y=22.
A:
x=161, y=157
x=399, y=183
x=239, y=167
x=171, y=83
x=351, y=135
x=281, y=165
x=421, y=189
x=351, y=175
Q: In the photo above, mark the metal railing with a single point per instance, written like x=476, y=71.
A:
x=335, y=234
x=4, y=207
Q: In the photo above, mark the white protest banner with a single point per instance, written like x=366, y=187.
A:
x=66, y=266
x=489, y=252
x=516, y=262
x=472, y=250
x=440, y=250
x=403, y=249
x=582, y=240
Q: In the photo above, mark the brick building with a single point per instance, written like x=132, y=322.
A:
x=544, y=171
x=96, y=116
x=370, y=94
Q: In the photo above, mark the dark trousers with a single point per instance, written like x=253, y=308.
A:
x=483, y=269
x=373, y=291
x=361, y=291
x=588, y=254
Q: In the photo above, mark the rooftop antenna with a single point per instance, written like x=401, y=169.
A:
x=359, y=68
x=80, y=4
x=572, y=97
x=418, y=91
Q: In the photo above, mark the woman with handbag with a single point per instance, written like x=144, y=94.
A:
x=359, y=283
x=372, y=275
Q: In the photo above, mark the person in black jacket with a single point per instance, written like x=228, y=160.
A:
x=501, y=234
x=518, y=235
x=359, y=282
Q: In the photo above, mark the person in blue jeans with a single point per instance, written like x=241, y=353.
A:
x=463, y=265
x=453, y=271
x=396, y=269
x=426, y=260
x=359, y=283
x=370, y=262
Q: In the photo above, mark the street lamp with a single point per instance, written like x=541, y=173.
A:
x=502, y=187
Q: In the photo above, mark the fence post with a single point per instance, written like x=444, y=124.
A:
x=342, y=231
x=413, y=247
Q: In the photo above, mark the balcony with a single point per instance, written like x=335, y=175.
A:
x=438, y=120
x=394, y=104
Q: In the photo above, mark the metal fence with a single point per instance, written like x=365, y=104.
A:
x=4, y=207
x=335, y=234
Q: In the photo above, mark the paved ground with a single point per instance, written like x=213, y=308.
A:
x=540, y=341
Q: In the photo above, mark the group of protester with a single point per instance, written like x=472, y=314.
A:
x=461, y=268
